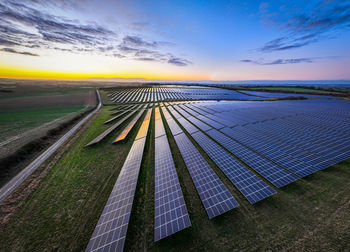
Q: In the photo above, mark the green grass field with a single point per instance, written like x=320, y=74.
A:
x=29, y=112
x=311, y=214
x=14, y=122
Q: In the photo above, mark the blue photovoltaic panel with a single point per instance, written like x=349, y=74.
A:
x=270, y=171
x=189, y=110
x=276, y=175
x=110, y=231
x=199, y=123
x=171, y=213
x=211, y=122
x=271, y=152
x=197, y=110
x=159, y=127
x=181, y=111
x=252, y=187
x=212, y=192
x=187, y=125
x=175, y=113
x=174, y=127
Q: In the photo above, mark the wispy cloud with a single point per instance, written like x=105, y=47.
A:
x=22, y=25
x=285, y=61
x=138, y=41
x=140, y=49
x=11, y=50
x=179, y=61
x=303, y=27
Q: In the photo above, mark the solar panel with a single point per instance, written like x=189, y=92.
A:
x=174, y=127
x=271, y=152
x=159, y=127
x=171, y=213
x=182, y=111
x=121, y=114
x=187, y=125
x=110, y=231
x=144, y=126
x=278, y=176
x=199, y=123
x=189, y=110
x=252, y=187
x=211, y=122
x=110, y=130
x=213, y=193
x=128, y=128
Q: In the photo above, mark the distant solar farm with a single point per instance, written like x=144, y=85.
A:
x=257, y=143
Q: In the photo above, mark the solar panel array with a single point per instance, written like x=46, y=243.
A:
x=252, y=187
x=300, y=136
x=278, y=176
x=256, y=145
x=213, y=193
x=171, y=213
x=111, y=229
x=122, y=110
x=283, y=95
x=122, y=135
x=167, y=93
x=270, y=171
x=104, y=134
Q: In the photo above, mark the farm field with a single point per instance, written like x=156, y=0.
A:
x=28, y=114
x=306, y=208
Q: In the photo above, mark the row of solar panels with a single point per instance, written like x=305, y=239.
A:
x=233, y=149
x=283, y=95
x=139, y=95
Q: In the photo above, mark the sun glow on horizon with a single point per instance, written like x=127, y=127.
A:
x=21, y=73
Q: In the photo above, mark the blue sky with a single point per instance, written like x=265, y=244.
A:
x=194, y=40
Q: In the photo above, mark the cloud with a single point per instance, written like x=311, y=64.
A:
x=146, y=59
x=11, y=50
x=319, y=21
x=5, y=42
x=28, y=24
x=282, y=61
x=178, y=61
x=142, y=50
x=137, y=41
x=48, y=30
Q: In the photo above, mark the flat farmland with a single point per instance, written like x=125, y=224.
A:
x=27, y=114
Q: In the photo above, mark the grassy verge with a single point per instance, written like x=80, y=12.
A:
x=63, y=211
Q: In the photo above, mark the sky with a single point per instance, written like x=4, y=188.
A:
x=175, y=40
